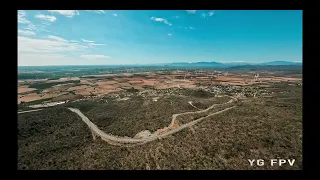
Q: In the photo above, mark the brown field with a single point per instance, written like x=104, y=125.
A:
x=228, y=79
x=280, y=79
x=126, y=74
x=52, y=95
x=110, y=82
x=78, y=87
x=34, y=96
x=23, y=89
x=29, y=97
x=85, y=92
x=267, y=122
x=106, y=86
x=61, y=87
x=99, y=92
x=188, y=86
x=64, y=79
x=99, y=89
x=122, y=85
x=125, y=81
x=135, y=82
x=150, y=82
x=67, y=97
x=84, y=81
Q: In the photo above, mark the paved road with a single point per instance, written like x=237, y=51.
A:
x=123, y=141
x=21, y=112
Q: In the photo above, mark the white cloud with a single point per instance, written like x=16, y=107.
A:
x=88, y=41
x=67, y=13
x=31, y=27
x=26, y=33
x=22, y=20
x=35, y=59
x=45, y=23
x=46, y=17
x=45, y=30
x=115, y=15
x=53, y=44
x=191, y=11
x=95, y=44
x=57, y=38
x=21, y=17
x=169, y=34
x=95, y=56
x=192, y=28
x=161, y=20
x=54, y=50
x=211, y=13
x=97, y=11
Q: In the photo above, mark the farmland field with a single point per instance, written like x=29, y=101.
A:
x=265, y=123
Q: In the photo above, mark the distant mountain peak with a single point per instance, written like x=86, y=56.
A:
x=279, y=63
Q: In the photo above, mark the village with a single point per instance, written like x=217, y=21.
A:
x=155, y=84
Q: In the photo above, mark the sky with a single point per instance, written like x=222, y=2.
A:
x=115, y=37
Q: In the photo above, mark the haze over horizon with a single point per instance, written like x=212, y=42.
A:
x=114, y=37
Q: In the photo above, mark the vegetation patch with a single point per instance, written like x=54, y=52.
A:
x=198, y=93
x=54, y=78
x=140, y=75
x=51, y=84
x=132, y=90
x=39, y=101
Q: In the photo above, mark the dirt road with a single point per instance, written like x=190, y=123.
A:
x=21, y=112
x=128, y=141
x=100, y=133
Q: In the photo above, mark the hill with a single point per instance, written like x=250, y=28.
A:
x=280, y=63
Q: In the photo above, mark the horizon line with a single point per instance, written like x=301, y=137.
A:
x=157, y=63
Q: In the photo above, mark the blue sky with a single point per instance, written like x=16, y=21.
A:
x=78, y=37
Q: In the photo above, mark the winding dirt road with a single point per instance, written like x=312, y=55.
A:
x=129, y=141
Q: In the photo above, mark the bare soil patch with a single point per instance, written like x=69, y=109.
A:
x=23, y=89
x=150, y=82
x=67, y=97
x=82, y=87
x=29, y=97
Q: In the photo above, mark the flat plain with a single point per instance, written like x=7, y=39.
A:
x=266, y=122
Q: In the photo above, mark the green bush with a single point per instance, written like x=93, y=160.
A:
x=132, y=90
x=48, y=85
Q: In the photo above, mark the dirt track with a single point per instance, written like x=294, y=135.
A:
x=128, y=141
x=21, y=112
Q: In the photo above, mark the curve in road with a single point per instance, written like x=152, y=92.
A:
x=128, y=141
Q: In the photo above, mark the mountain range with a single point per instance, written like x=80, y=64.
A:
x=231, y=64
